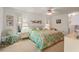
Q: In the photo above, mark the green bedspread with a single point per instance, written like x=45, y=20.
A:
x=10, y=39
x=45, y=38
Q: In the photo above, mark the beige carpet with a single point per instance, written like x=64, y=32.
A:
x=29, y=46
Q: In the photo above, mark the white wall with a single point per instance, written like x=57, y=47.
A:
x=33, y=16
x=1, y=21
x=63, y=27
x=74, y=20
x=14, y=13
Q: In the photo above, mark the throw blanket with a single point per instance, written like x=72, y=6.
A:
x=45, y=38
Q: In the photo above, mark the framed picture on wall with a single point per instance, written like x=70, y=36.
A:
x=37, y=21
x=58, y=21
x=9, y=20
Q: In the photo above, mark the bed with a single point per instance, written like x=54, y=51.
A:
x=45, y=38
x=8, y=36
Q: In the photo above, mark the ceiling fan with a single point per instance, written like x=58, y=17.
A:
x=51, y=11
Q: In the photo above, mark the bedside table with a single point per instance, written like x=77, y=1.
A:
x=24, y=35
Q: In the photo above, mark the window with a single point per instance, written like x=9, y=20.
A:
x=23, y=24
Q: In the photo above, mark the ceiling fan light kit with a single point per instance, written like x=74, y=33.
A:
x=50, y=12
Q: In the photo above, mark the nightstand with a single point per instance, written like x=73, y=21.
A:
x=24, y=35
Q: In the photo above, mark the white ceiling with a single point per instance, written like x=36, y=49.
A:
x=32, y=9
x=43, y=10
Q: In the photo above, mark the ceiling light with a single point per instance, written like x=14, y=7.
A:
x=50, y=12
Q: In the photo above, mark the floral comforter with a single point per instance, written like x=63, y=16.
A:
x=45, y=38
